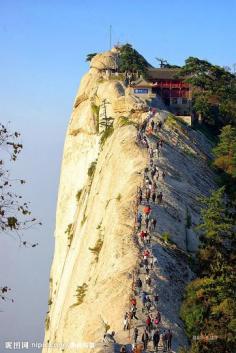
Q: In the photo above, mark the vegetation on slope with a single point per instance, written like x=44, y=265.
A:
x=225, y=156
x=95, y=108
x=81, y=293
x=107, y=129
x=70, y=233
x=209, y=307
x=92, y=169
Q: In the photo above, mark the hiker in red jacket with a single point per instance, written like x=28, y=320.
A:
x=134, y=301
x=147, y=209
x=157, y=318
x=142, y=235
x=148, y=323
x=146, y=253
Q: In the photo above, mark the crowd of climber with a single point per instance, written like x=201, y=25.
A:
x=146, y=225
x=147, y=197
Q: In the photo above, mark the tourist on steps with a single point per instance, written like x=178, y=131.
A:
x=148, y=238
x=158, y=317
x=160, y=197
x=154, y=197
x=126, y=322
x=135, y=335
x=164, y=340
x=133, y=312
x=109, y=338
x=140, y=196
x=148, y=194
x=138, y=285
x=148, y=324
x=169, y=340
x=156, y=300
x=148, y=305
x=155, y=128
x=152, y=124
x=145, y=338
x=156, y=339
x=148, y=281
x=151, y=258
x=146, y=220
x=123, y=349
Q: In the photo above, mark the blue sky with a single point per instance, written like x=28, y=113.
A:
x=43, y=48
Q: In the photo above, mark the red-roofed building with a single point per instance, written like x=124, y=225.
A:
x=164, y=84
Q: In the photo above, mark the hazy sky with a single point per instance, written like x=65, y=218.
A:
x=43, y=44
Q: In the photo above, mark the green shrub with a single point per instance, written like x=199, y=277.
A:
x=80, y=293
x=50, y=302
x=166, y=237
x=47, y=322
x=78, y=195
x=97, y=248
x=174, y=122
x=118, y=197
x=194, y=310
x=70, y=233
x=106, y=327
x=99, y=225
x=96, y=109
x=83, y=220
x=124, y=121
x=106, y=134
x=92, y=169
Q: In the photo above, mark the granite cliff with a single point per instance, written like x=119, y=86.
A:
x=96, y=248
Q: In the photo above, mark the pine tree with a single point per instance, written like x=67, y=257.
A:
x=130, y=60
x=90, y=56
x=225, y=151
x=214, y=91
x=209, y=307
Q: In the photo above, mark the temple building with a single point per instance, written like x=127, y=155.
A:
x=162, y=84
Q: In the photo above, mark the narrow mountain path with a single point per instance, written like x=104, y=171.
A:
x=148, y=270
x=153, y=181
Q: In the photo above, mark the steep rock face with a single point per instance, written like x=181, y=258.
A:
x=101, y=253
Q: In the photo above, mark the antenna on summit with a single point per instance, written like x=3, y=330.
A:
x=110, y=29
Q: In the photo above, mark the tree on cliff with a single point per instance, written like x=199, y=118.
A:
x=214, y=91
x=90, y=56
x=15, y=215
x=131, y=61
x=164, y=64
